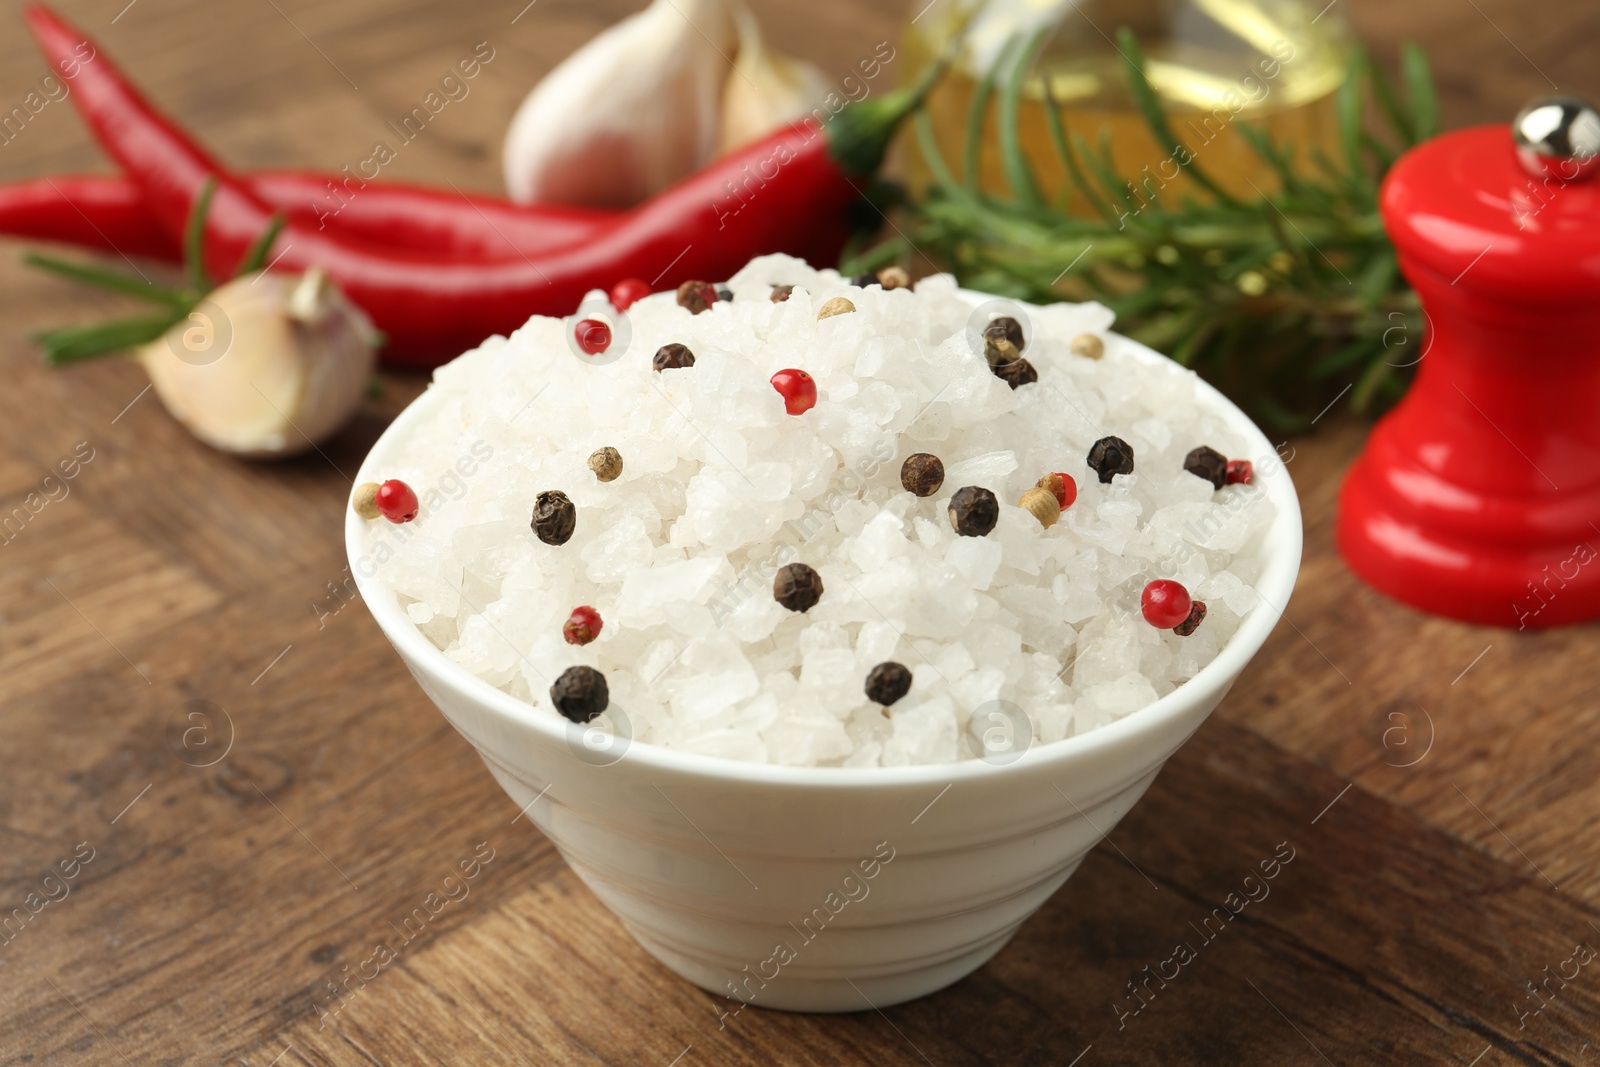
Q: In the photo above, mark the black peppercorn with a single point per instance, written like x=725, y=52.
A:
x=724, y=293
x=696, y=296
x=922, y=474
x=1197, y=615
x=1005, y=358
x=580, y=693
x=1007, y=328
x=1016, y=373
x=670, y=357
x=974, y=511
x=888, y=682
x=780, y=293
x=1111, y=456
x=554, y=517
x=797, y=587
x=1207, y=463
x=865, y=279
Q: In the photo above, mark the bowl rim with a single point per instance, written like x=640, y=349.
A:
x=1282, y=547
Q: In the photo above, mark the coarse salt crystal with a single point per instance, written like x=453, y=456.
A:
x=721, y=487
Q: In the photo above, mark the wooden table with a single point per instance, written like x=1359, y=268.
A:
x=1436, y=782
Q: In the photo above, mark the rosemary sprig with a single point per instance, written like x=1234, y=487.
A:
x=72, y=343
x=255, y=256
x=1280, y=300
x=194, y=238
x=101, y=278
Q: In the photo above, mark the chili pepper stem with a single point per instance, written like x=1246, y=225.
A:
x=859, y=135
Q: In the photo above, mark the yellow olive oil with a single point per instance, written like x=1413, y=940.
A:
x=1214, y=64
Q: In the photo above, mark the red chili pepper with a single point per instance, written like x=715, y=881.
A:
x=471, y=225
x=101, y=213
x=786, y=193
x=109, y=213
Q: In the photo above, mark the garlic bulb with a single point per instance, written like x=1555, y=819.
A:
x=265, y=366
x=764, y=90
x=629, y=113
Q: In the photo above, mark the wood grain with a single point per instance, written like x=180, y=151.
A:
x=1436, y=781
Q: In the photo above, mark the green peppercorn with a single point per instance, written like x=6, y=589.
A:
x=894, y=277
x=797, y=587
x=1109, y=457
x=606, y=463
x=672, y=356
x=365, y=500
x=580, y=694
x=1208, y=463
x=888, y=682
x=974, y=511
x=554, y=517
x=1042, y=504
x=1088, y=345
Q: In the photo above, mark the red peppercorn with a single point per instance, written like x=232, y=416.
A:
x=582, y=626
x=594, y=336
x=798, y=389
x=396, y=501
x=1165, y=603
x=1240, y=472
x=626, y=292
x=1063, y=486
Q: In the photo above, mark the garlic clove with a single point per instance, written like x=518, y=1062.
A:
x=267, y=365
x=765, y=90
x=339, y=351
x=629, y=113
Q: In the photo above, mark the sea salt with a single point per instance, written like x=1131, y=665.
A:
x=720, y=487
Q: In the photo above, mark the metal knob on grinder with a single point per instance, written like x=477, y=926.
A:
x=1559, y=137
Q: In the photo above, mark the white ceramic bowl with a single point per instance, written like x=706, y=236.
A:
x=825, y=889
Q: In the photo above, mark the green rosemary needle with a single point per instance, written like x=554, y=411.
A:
x=1283, y=301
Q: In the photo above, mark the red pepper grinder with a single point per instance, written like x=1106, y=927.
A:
x=1478, y=497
